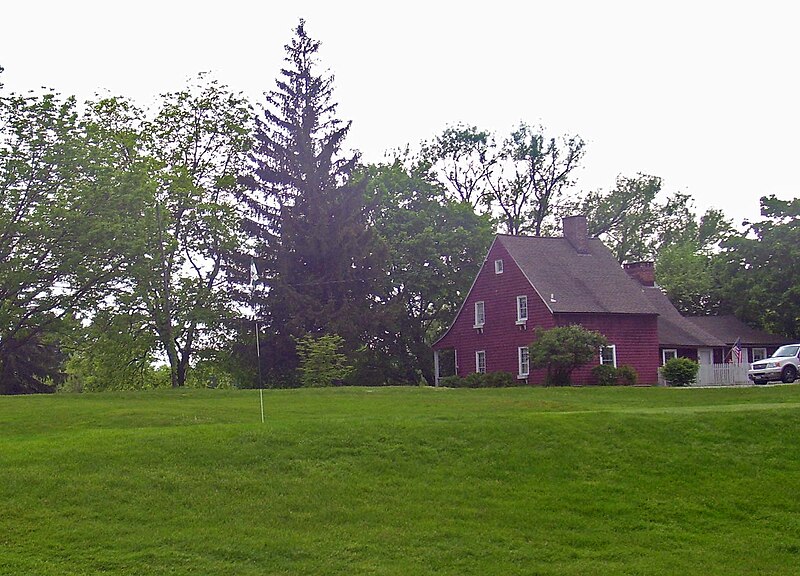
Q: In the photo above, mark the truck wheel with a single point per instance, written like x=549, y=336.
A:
x=789, y=374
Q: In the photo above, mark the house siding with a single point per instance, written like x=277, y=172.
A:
x=500, y=336
x=635, y=338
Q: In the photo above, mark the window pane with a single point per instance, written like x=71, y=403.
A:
x=522, y=307
x=480, y=314
x=480, y=361
x=524, y=361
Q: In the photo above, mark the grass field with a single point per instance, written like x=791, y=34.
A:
x=402, y=481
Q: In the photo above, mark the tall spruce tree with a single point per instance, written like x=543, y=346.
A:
x=315, y=254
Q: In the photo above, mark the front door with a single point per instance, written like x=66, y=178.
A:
x=705, y=356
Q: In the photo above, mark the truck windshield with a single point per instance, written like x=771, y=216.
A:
x=785, y=351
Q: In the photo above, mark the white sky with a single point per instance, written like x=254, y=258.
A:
x=704, y=94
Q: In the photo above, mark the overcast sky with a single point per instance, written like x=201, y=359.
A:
x=704, y=94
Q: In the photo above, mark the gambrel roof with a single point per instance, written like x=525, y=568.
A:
x=573, y=281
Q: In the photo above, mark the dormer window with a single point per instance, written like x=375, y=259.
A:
x=522, y=309
x=480, y=314
x=498, y=266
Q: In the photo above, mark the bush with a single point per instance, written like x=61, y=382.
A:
x=680, y=371
x=562, y=349
x=321, y=363
x=450, y=381
x=604, y=375
x=478, y=380
x=500, y=380
x=627, y=375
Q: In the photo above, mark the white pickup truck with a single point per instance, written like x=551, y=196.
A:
x=784, y=365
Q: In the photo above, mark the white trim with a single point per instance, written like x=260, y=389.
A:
x=469, y=292
x=527, y=367
x=762, y=349
x=520, y=318
x=613, y=353
x=480, y=321
x=664, y=354
x=478, y=354
x=498, y=266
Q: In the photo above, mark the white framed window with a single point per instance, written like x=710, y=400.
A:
x=757, y=354
x=498, y=266
x=523, y=355
x=480, y=361
x=668, y=354
x=480, y=314
x=608, y=355
x=522, y=309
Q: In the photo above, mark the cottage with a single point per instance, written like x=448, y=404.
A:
x=534, y=282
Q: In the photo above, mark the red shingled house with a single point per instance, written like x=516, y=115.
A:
x=529, y=282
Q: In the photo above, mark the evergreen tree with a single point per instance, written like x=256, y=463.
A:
x=315, y=254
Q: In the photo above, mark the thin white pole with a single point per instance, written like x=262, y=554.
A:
x=261, y=396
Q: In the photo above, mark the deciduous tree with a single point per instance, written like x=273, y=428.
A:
x=67, y=202
x=758, y=271
x=435, y=246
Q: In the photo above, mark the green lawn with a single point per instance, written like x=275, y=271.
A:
x=402, y=481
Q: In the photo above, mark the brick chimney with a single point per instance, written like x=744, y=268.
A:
x=576, y=230
x=642, y=272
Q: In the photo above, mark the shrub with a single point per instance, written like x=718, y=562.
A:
x=321, y=363
x=475, y=380
x=604, y=375
x=478, y=380
x=499, y=380
x=680, y=371
x=451, y=381
x=627, y=375
x=562, y=349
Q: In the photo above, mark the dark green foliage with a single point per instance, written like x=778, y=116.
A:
x=480, y=380
x=307, y=218
x=607, y=375
x=30, y=365
x=604, y=375
x=562, y=349
x=758, y=272
x=434, y=247
x=680, y=371
x=627, y=375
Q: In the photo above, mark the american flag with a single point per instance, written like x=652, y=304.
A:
x=736, y=352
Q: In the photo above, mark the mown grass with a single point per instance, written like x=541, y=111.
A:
x=402, y=481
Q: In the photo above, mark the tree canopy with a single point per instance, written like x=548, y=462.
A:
x=129, y=238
